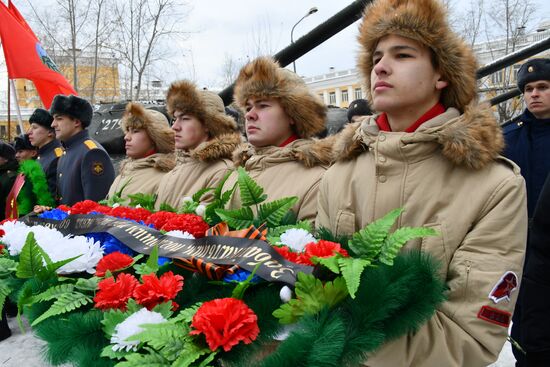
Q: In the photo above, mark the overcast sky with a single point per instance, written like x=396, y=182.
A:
x=219, y=29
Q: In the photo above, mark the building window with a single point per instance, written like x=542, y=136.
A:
x=358, y=93
x=332, y=98
x=496, y=78
x=345, y=96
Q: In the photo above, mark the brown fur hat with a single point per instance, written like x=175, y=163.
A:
x=154, y=122
x=205, y=105
x=423, y=21
x=264, y=78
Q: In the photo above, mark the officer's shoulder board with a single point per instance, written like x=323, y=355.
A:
x=58, y=152
x=513, y=124
x=90, y=144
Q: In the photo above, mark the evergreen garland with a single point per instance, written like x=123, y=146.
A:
x=39, y=193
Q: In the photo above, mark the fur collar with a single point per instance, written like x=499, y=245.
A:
x=309, y=152
x=214, y=149
x=473, y=139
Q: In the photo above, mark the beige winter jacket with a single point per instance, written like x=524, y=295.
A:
x=294, y=170
x=142, y=175
x=447, y=175
x=203, y=167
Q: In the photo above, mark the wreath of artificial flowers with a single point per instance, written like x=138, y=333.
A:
x=103, y=304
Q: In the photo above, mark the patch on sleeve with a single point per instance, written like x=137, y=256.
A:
x=504, y=287
x=495, y=316
x=97, y=168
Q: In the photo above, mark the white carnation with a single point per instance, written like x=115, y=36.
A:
x=132, y=326
x=57, y=246
x=297, y=239
x=187, y=199
x=180, y=234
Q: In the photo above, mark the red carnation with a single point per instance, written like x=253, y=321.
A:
x=84, y=207
x=155, y=290
x=190, y=223
x=136, y=214
x=64, y=207
x=115, y=294
x=159, y=219
x=225, y=322
x=1, y=246
x=287, y=253
x=321, y=249
x=2, y=233
x=112, y=262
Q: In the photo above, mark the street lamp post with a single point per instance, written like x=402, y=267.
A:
x=311, y=11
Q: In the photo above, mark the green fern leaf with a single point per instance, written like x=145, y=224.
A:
x=166, y=338
x=311, y=297
x=30, y=260
x=167, y=208
x=251, y=192
x=7, y=267
x=52, y=267
x=238, y=218
x=146, y=201
x=90, y=285
x=199, y=194
x=186, y=316
x=218, y=191
x=140, y=360
x=206, y=362
x=151, y=266
x=54, y=292
x=351, y=269
x=330, y=262
x=397, y=239
x=5, y=290
x=367, y=243
x=66, y=302
x=190, y=353
x=274, y=211
x=165, y=309
x=108, y=352
x=111, y=319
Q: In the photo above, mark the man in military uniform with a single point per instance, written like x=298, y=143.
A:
x=528, y=145
x=84, y=170
x=24, y=149
x=42, y=136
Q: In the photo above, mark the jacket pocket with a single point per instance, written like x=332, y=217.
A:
x=435, y=246
x=345, y=223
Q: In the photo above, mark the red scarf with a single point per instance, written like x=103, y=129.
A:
x=289, y=140
x=384, y=125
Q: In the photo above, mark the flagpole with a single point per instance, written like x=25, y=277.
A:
x=9, y=110
x=12, y=84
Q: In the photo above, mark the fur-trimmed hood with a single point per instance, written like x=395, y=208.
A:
x=154, y=122
x=264, y=78
x=426, y=22
x=162, y=161
x=473, y=139
x=309, y=152
x=205, y=105
x=220, y=147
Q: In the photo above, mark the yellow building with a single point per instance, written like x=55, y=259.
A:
x=337, y=88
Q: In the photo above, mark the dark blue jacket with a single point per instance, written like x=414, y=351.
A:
x=528, y=145
x=84, y=171
x=47, y=157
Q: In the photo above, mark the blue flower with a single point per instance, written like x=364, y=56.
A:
x=163, y=260
x=110, y=244
x=56, y=214
x=240, y=276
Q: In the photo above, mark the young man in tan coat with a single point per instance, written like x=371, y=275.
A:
x=431, y=150
x=282, y=114
x=149, y=144
x=205, y=137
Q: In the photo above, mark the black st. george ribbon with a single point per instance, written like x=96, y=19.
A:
x=221, y=250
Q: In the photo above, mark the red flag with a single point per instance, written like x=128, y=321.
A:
x=25, y=57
